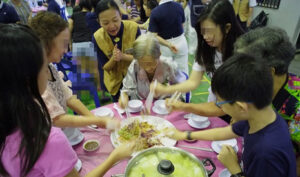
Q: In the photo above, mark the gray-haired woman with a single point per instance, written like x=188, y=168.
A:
x=145, y=68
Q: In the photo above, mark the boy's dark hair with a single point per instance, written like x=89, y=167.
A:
x=151, y=4
x=85, y=4
x=244, y=78
x=271, y=44
x=104, y=5
x=220, y=12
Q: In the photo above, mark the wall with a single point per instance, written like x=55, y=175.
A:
x=286, y=17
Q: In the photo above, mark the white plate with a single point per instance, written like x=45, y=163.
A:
x=78, y=165
x=188, y=116
x=217, y=148
x=157, y=122
x=157, y=111
x=100, y=111
x=200, y=126
x=224, y=173
x=77, y=140
x=135, y=111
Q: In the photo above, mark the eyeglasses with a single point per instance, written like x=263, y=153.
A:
x=219, y=104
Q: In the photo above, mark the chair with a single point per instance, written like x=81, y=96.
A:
x=188, y=94
x=80, y=81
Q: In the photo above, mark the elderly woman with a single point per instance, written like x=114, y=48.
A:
x=145, y=68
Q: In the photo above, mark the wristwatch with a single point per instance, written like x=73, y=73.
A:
x=188, y=137
x=240, y=174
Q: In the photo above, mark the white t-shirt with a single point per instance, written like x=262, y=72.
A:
x=218, y=62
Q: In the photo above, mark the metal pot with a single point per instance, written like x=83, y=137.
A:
x=167, y=162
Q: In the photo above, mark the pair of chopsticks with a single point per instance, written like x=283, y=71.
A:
x=174, y=98
x=149, y=99
x=126, y=109
x=198, y=148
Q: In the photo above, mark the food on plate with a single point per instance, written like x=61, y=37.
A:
x=143, y=133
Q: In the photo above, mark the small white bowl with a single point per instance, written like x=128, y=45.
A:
x=102, y=112
x=135, y=105
x=199, y=119
x=91, y=145
x=230, y=142
x=161, y=105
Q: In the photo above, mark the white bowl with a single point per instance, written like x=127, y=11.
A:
x=102, y=112
x=230, y=142
x=91, y=145
x=199, y=119
x=135, y=105
x=160, y=105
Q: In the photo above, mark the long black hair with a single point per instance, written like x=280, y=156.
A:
x=21, y=106
x=221, y=13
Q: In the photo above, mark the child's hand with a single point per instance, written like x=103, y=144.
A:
x=175, y=105
x=124, y=150
x=112, y=124
x=174, y=133
x=229, y=159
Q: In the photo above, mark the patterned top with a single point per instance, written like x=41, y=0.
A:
x=287, y=104
x=23, y=10
x=136, y=83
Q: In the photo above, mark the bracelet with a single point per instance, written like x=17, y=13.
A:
x=188, y=137
x=240, y=174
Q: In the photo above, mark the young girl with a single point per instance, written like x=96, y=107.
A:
x=28, y=142
x=217, y=30
x=146, y=68
x=54, y=33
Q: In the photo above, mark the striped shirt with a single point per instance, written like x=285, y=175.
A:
x=23, y=10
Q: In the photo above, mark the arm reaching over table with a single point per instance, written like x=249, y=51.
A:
x=209, y=135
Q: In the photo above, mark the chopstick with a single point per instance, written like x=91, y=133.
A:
x=126, y=109
x=174, y=98
x=198, y=148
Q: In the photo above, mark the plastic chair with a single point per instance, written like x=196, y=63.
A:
x=80, y=81
x=188, y=94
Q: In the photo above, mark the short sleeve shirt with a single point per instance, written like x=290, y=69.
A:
x=268, y=152
x=218, y=63
x=8, y=14
x=23, y=11
x=57, y=159
x=166, y=19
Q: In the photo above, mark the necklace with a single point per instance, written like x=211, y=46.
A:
x=117, y=39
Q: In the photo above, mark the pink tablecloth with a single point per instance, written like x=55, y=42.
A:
x=92, y=159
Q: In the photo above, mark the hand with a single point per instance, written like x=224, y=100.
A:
x=117, y=54
x=248, y=23
x=173, y=48
x=124, y=150
x=158, y=90
x=175, y=134
x=175, y=105
x=112, y=124
x=228, y=158
x=123, y=100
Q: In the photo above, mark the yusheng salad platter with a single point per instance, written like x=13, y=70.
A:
x=147, y=131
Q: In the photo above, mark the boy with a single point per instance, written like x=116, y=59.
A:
x=243, y=87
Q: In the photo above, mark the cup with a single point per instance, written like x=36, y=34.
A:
x=103, y=112
x=161, y=105
x=230, y=142
x=135, y=105
x=198, y=120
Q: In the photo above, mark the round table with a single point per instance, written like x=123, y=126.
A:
x=92, y=159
